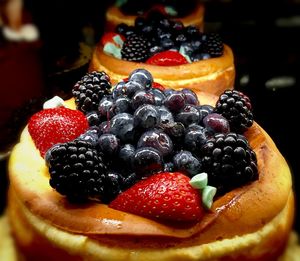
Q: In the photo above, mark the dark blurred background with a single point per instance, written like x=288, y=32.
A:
x=264, y=36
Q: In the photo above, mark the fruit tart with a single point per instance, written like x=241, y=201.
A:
x=140, y=172
x=189, y=12
x=177, y=56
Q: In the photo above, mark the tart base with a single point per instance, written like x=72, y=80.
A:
x=36, y=239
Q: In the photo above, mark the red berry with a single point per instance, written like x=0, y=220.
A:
x=167, y=58
x=57, y=125
x=157, y=85
x=166, y=196
x=110, y=38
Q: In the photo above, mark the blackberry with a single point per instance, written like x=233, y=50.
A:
x=90, y=89
x=135, y=48
x=229, y=161
x=237, y=109
x=75, y=170
x=213, y=45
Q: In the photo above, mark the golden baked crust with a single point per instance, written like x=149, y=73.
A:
x=213, y=75
x=250, y=222
x=114, y=17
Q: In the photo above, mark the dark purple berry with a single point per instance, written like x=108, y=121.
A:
x=147, y=160
x=185, y=161
x=216, y=123
x=109, y=144
x=188, y=115
x=122, y=126
x=146, y=116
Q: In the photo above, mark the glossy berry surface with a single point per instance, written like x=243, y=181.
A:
x=180, y=202
x=58, y=125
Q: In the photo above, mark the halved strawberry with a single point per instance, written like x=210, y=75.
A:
x=112, y=38
x=167, y=58
x=56, y=125
x=165, y=196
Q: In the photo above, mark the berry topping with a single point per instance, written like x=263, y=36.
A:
x=57, y=125
x=76, y=170
x=167, y=58
x=157, y=40
x=236, y=108
x=132, y=134
x=166, y=196
x=135, y=48
x=229, y=161
x=90, y=89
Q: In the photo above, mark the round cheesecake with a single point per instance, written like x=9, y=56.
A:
x=251, y=222
x=213, y=75
x=115, y=16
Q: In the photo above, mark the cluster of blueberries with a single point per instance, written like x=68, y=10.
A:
x=149, y=130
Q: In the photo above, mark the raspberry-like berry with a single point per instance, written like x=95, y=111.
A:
x=90, y=89
x=237, y=109
x=213, y=45
x=229, y=161
x=75, y=170
x=135, y=48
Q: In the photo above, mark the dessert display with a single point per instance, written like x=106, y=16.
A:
x=165, y=48
x=142, y=172
x=189, y=12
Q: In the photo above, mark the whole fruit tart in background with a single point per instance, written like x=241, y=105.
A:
x=141, y=172
x=189, y=12
x=177, y=56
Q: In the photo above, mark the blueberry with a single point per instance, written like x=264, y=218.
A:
x=132, y=87
x=181, y=38
x=112, y=184
x=185, y=161
x=109, y=144
x=177, y=26
x=126, y=154
x=122, y=126
x=147, y=160
x=141, y=76
x=204, y=110
x=200, y=56
x=91, y=135
x=192, y=31
x=216, y=123
x=190, y=97
x=93, y=118
x=165, y=117
x=139, y=22
x=142, y=97
x=119, y=90
x=122, y=104
x=147, y=29
x=167, y=43
x=195, y=137
x=146, y=116
x=175, y=101
x=129, y=181
x=188, y=115
x=165, y=23
x=156, y=139
x=155, y=49
x=104, y=127
x=168, y=167
x=122, y=28
x=168, y=92
x=159, y=96
x=175, y=130
x=106, y=107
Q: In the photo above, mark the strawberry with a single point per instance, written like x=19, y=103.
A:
x=112, y=38
x=167, y=58
x=157, y=85
x=56, y=125
x=166, y=196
